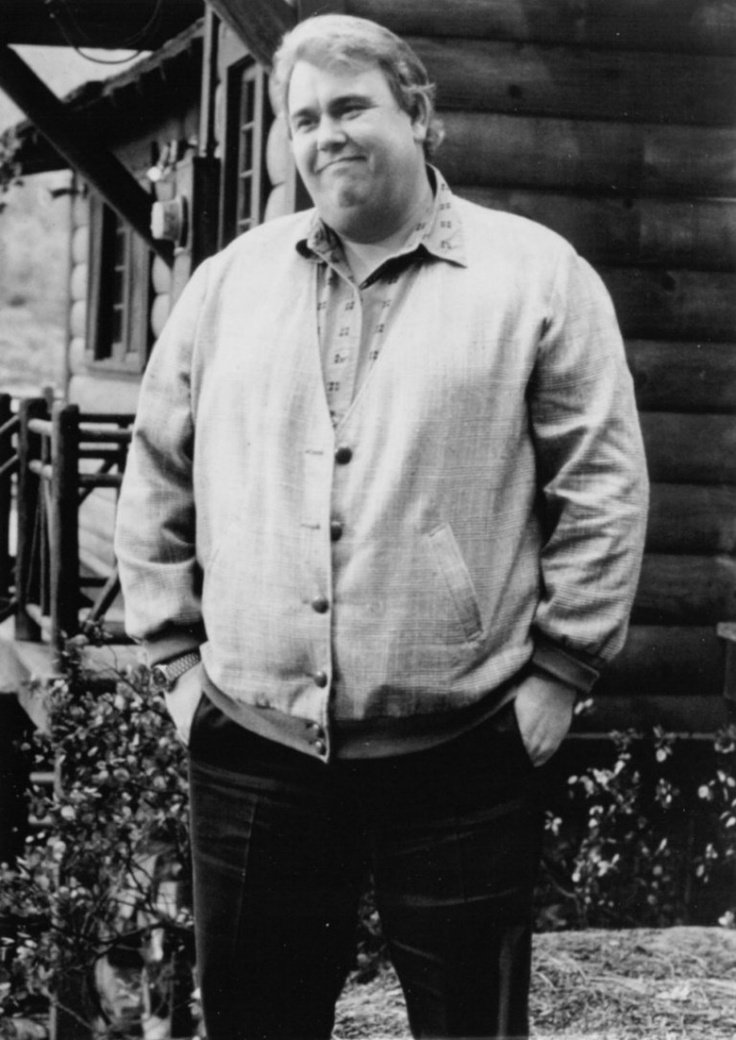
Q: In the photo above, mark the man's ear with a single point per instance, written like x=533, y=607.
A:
x=420, y=119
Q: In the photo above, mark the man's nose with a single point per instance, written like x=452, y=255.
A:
x=330, y=133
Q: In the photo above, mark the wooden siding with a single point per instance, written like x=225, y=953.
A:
x=683, y=26
x=614, y=123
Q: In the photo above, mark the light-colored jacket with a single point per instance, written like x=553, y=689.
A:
x=489, y=480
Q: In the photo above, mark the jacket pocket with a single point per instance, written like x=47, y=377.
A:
x=456, y=576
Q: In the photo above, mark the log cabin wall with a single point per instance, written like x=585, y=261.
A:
x=614, y=123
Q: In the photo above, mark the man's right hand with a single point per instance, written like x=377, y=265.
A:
x=182, y=701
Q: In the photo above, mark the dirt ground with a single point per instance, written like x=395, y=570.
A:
x=672, y=984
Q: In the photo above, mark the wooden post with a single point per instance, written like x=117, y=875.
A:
x=27, y=562
x=64, y=524
x=6, y=496
x=727, y=632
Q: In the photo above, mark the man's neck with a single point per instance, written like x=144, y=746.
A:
x=364, y=257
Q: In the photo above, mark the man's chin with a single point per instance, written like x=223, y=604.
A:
x=348, y=211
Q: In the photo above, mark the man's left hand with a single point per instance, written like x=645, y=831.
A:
x=544, y=710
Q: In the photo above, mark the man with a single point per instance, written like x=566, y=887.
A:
x=387, y=480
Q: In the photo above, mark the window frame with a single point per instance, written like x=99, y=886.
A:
x=245, y=186
x=133, y=258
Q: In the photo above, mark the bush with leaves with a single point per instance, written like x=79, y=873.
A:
x=104, y=878
x=647, y=839
x=639, y=838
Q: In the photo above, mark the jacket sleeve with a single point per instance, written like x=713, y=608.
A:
x=155, y=532
x=592, y=478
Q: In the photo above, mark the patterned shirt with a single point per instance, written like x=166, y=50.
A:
x=352, y=318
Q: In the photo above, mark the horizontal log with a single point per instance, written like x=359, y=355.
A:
x=100, y=480
x=705, y=27
x=684, y=377
x=629, y=159
x=489, y=76
x=653, y=303
x=692, y=518
x=43, y=427
x=104, y=436
x=690, y=449
x=699, y=234
x=697, y=714
x=674, y=660
x=686, y=590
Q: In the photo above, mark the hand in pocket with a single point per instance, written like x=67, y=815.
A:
x=182, y=701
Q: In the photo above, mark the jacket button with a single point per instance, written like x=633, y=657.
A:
x=335, y=530
x=343, y=455
x=320, y=747
x=320, y=604
x=320, y=679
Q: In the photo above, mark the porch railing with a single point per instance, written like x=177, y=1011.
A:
x=52, y=458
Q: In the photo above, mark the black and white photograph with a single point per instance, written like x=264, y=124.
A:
x=368, y=519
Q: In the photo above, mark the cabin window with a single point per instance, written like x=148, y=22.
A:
x=118, y=333
x=248, y=116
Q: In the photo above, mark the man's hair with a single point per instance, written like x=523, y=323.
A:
x=332, y=41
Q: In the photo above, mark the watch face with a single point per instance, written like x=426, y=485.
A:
x=159, y=678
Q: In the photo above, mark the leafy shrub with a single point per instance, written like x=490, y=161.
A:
x=103, y=886
x=103, y=889
x=646, y=840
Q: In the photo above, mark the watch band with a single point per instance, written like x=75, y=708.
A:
x=165, y=675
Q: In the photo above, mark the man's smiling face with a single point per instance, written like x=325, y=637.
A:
x=359, y=154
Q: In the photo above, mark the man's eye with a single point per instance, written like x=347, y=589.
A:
x=302, y=124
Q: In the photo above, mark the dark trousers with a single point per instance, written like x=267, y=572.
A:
x=281, y=848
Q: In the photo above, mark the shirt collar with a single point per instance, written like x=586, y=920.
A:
x=439, y=231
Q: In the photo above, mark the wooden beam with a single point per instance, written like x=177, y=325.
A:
x=139, y=24
x=685, y=590
x=689, y=26
x=260, y=24
x=690, y=449
x=692, y=518
x=653, y=303
x=727, y=632
x=95, y=164
x=673, y=661
x=696, y=233
x=694, y=714
x=684, y=377
x=64, y=525
x=493, y=76
x=595, y=156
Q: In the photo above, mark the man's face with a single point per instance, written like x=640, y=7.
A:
x=359, y=154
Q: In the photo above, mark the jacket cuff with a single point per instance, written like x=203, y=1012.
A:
x=173, y=644
x=565, y=666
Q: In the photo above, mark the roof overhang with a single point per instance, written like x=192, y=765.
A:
x=142, y=25
x=116, y=108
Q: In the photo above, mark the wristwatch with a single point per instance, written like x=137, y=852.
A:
x=163, y=676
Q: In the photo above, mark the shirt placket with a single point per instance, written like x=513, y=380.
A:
x=341, y=321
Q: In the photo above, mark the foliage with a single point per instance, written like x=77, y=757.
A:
x=34, y=276
x=646, y=840
x=639, y=838
x=103, y=881
x=9, y=166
